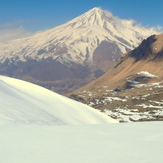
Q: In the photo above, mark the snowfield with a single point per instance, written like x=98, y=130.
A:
x=40, y=126
x=114, y=143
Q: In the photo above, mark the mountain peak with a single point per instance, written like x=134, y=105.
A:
x=99, y=10
x=96, y=16
x=96, y=9
x=76, y=40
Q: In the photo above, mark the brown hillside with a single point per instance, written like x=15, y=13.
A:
x=134, y=83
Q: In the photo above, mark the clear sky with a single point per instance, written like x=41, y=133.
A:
x=24, y=17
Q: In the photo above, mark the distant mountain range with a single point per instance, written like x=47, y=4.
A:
x=133, y=89
x=73, y=54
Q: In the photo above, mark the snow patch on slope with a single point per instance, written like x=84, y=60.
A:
x=146, y=74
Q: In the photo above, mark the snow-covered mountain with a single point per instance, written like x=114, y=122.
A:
x=83, y=49
x=77, y=38
x=26, y=103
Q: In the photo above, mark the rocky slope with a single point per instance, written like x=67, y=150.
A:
x=133, y=89
x=68, y=56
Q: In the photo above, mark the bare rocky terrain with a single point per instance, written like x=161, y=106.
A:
x=133, y=89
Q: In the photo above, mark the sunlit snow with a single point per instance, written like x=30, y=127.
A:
x=33, y=130
x=146, y=74
x=23, y=102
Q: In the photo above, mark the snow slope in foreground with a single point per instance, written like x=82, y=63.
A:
x=104, y=143
x=25, y=103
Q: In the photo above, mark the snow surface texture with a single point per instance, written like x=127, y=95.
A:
x=77, y=39
x=111, y=143
x=23, y=102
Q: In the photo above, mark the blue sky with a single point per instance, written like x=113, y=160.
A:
x=24, y=17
